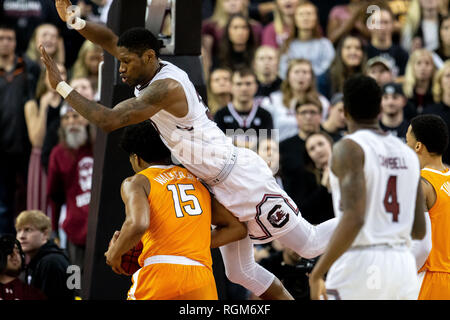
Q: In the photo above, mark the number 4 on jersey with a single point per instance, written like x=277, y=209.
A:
x=390, y=198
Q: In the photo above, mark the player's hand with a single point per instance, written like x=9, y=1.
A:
x=317, y=287
x=53, y=73
x=61, y=7
x=115, y=262
x=114, y=238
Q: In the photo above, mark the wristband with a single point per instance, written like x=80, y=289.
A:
x=63, y=89
x=78, y=24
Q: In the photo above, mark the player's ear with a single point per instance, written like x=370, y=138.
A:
x=419, y=146
x=149, y=55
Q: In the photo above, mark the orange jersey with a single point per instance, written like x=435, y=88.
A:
x=180, y=216
x=439, y=258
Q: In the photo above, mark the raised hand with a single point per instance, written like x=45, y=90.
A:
x=61, y=7
x=53, y=73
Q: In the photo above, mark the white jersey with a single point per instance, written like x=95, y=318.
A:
x=392, y=174
x=194, y=140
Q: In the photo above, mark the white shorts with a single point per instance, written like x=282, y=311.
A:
x=252, y=194
x=376, y=273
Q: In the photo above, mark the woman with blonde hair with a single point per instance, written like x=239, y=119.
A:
x=418, y=80
x=40, y=114
x=282, y=27
x=213, y=28
x=298, y=87
x=421, y=28
x=441, y=94
x=48, y=35
x=307, y=41
x=86, y=65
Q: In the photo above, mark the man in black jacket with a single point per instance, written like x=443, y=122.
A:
x=47, y=265
x=18, y=78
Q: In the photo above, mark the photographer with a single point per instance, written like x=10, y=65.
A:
x=292, y=270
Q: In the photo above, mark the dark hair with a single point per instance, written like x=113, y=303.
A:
x=139, y=40
x=225, y=55
x=339, y=72
x=143, y=140
x=4, y=26
x=7, y=243
x=362, y=97
x=243, y=72
x=309, y=100
x=432, y=131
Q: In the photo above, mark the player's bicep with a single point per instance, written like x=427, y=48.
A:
x=348, y=165
x=134, y=192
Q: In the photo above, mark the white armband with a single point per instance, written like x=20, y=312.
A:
x=64, y=89
x=78, y=24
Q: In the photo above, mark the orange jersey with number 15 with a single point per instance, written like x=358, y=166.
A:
x=180, y=216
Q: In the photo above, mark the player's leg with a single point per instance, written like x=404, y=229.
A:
x=241, y=268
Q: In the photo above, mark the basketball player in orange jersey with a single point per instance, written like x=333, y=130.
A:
x=169, y=210
x=428, y=136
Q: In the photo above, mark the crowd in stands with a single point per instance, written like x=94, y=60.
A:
x=274, y=73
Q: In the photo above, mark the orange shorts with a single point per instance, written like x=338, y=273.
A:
x=163, y=281
x=435, y=286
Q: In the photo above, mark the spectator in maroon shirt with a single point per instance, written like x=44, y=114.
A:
x=11, y=264
x=69, y=181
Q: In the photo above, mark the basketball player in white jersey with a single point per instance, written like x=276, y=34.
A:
x=377, y=198
x=239, y=179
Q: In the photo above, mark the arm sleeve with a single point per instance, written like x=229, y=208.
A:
x=421, y=248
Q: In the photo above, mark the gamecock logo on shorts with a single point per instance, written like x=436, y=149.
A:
x=277, y=217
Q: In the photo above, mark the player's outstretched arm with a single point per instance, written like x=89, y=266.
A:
x=228, y=227
x=161, y=94
x=134, y=192
x=348, y=165
x=97, y=33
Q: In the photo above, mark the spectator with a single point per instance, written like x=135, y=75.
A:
x=69, y=181
x=313, y=193
x=282, y=27
x=292, y=150
x=298, y=87
x=421, y=28
x=381, y=43
x=51, y=136
x=380, y=69
x=47, y=264
x=269, y=150
x=307, y=41
x=242, y=118
x=261, y=10
x=418, y=81
x=237, y=46
x=265, y=66
x=38, y=118
x=399, y=9
x=11, y=264
x=392, y=111
x=348, y=19
x=86, y=65
x=48, y=35
x=335, y=124
x=214, y=28
x=292, y=270
x=25, y=17
x=219, y=89
x=18, y=77
x=350, y=59
x=444, y=39
x=441, y=93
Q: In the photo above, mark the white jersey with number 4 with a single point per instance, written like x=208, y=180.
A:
x=194, y=139
x=392, y=174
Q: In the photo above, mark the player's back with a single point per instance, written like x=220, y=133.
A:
x=391, y=172
x=194, y=139
x=439, y=258
x=180, y=216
